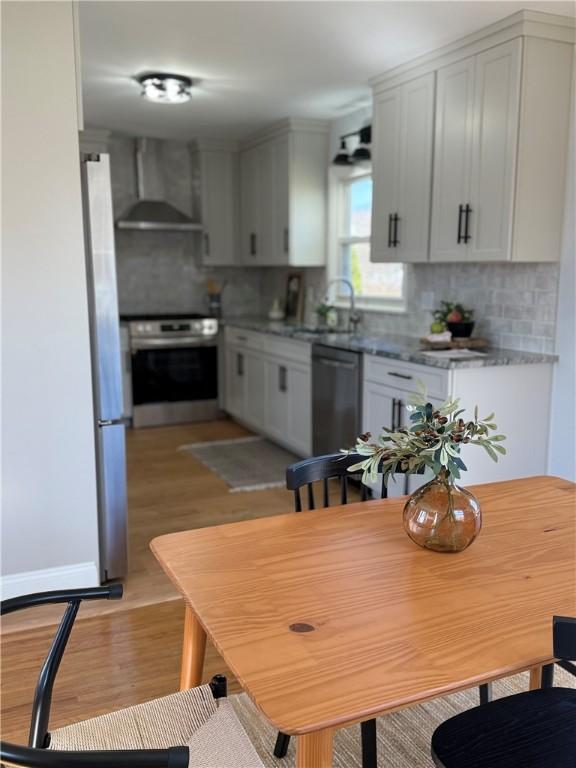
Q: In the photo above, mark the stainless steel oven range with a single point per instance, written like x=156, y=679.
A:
x=174, y=369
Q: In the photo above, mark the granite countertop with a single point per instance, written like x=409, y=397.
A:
x=394, y=346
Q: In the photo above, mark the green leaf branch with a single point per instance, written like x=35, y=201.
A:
x=433, y=439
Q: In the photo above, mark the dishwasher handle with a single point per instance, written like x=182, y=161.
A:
x=334, y=363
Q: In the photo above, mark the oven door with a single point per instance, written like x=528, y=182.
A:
x=174, y=384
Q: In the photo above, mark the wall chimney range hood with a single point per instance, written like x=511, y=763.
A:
x=151, y=211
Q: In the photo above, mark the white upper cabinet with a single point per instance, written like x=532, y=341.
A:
x=475, y=156
x=500, y=146
x=283, y=195
x=403, y=130
x=216, y=179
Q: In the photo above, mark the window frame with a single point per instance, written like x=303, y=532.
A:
x=340, y=180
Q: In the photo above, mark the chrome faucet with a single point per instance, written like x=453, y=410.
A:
x=354, y=317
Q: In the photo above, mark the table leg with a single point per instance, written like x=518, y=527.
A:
x=535, y=678
x=193, y=650
x=314, y=750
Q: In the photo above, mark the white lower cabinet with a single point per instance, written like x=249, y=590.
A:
x=269, y=387
x=509, y=391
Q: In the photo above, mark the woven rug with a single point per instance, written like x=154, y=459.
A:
x=246, y=463
x=403, y=737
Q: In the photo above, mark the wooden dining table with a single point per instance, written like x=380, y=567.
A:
x=334, y=616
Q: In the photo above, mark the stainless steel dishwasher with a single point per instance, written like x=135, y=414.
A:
x=336, y=399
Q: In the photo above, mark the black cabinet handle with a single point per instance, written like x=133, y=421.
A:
x=286, y=240
x=252, y=244
x=467, y=212
x=460, y=215
x=389, y=230
x=395, y=219
x=400, y=375
x=393, y=419
x=282, y=379
x=206, y=244
x=240, y=365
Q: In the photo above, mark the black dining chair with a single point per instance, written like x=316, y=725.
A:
x=533, y=729
x=323, y=469
x=161, y=733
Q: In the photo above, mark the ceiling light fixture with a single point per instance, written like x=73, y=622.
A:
x=165, y=89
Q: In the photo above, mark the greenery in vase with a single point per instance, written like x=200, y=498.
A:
x=433, y=439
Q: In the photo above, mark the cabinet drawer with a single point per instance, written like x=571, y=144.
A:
x=288, y=349
x=242, y=338
x=405, y=376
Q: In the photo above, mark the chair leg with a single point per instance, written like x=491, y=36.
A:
x=548, y=676
x=281, y=747
x=485, y=693
x=369, y=745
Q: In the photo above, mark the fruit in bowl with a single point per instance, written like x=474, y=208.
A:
x=456, y=318
x=437, y=327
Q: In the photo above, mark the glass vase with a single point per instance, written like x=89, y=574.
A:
x=442, y=516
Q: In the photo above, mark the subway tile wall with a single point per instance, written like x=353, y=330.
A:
x=514, y=304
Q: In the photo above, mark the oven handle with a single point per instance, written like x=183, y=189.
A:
x=137, y=345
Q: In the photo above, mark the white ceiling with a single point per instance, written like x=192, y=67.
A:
x=259, y=61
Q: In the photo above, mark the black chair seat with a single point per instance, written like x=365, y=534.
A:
x=536, y=729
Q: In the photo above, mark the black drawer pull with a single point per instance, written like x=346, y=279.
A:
x=400, y=375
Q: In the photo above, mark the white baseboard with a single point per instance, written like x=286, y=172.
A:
x=65, y=577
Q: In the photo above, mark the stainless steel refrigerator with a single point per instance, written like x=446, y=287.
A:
x=106, y=364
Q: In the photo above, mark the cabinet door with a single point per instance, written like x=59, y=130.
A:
x=249, y=206
x=235, y=370
x=254, y=390
x=265, y=193
x=219, y=216
x=385, y=173
x=415, y=172
x=299, y=386
x=496, y=115
x=281, y=214
x=452, y=160
x=276, y=400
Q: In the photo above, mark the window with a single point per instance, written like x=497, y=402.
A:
x=377, y=286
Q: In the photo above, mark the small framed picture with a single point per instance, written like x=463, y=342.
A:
x=295, y=296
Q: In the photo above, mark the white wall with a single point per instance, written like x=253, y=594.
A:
x=563, y=423
x=49, y=511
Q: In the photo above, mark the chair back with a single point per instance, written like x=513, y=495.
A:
x=322, y=469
